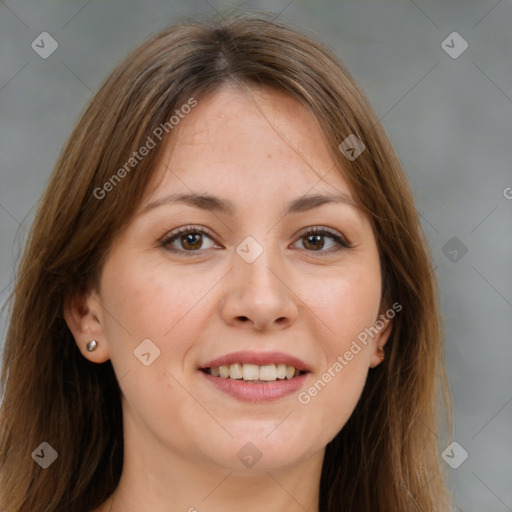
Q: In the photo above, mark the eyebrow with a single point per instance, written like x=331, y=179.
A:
x=225, y=206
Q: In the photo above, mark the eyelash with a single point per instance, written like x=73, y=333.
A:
x=175, y=235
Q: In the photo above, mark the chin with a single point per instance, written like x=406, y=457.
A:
x=263, y=446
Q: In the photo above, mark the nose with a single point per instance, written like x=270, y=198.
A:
x=260, y=295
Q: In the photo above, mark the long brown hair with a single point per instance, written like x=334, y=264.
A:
x=386, y=457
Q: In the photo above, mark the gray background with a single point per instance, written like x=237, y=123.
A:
x=449, y=119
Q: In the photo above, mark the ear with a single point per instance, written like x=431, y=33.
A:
x=84, y=317
x=384, y=325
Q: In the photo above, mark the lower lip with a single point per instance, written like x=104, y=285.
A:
x=264, y=392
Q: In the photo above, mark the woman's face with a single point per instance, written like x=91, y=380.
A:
x=257, y=288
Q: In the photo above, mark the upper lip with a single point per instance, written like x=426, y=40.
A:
x=259, y=358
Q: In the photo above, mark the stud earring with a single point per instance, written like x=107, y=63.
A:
x=381, y=353
x=92, y=345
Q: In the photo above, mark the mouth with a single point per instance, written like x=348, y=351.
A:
x=256, y=376
x=254, y=373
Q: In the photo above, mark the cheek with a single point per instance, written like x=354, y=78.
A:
x=149, y=301
x=347, y=304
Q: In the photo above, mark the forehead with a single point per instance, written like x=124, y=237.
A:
x=243, y=142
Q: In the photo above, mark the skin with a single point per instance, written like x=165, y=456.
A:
x=260, y=149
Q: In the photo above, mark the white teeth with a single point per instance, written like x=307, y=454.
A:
x=268, y=372
x=235, y=371
x=253, y=372
x=281, y=371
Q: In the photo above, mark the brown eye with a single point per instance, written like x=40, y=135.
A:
x=314, y=240
x=189, y=239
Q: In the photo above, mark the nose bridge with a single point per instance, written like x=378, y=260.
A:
x=258, y=259
x=260, y=293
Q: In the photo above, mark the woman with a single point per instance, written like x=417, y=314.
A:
x=226, y=299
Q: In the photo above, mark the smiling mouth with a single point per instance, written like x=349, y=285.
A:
x=254, y=373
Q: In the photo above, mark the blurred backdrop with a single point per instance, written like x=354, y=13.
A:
x=439, y=75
